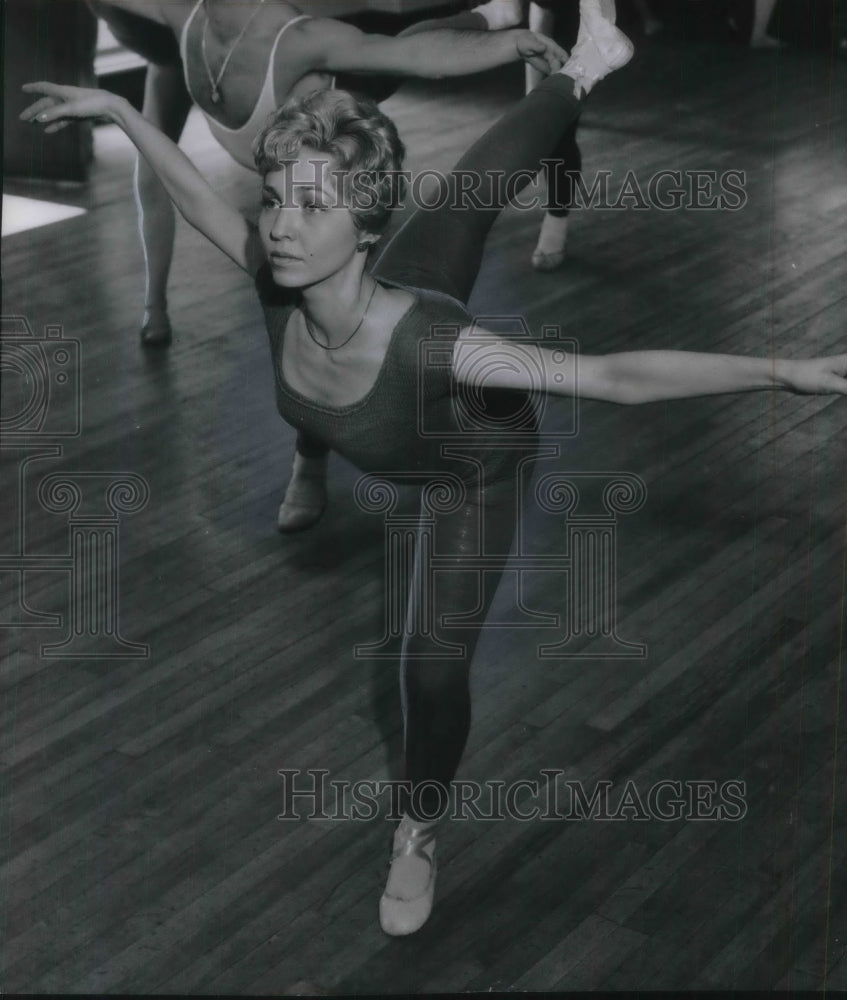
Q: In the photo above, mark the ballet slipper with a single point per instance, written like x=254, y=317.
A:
x=600, y=50
x=549, y=252
x=500, y=14
x=305, y=497
x=406, y=903
x=156, y=331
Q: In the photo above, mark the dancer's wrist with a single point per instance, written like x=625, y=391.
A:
x=119, y=111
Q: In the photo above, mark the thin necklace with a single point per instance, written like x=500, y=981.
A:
x=215, y=81
x=325, y=347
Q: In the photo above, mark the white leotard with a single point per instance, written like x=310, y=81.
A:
x=238, y=142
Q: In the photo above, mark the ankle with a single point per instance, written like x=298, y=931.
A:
x=592, y=10
x=601, y=49
x=309, y=466
x=156, y=327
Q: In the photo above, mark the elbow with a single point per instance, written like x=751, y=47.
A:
x=605, y=378
x=628, y=392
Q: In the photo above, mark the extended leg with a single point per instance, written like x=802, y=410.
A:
x=441, y=247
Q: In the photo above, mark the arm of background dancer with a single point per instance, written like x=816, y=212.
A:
x=635, y=376
x=336, y=46
x=201, y=206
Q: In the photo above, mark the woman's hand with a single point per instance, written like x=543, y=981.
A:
x=61, y=104
x=817, y=375
x=541, y=52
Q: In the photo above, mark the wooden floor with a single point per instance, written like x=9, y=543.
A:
x=141, y=850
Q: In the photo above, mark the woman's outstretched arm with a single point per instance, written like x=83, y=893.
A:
x=332, y=45
x=201, y=206
x=635, y=376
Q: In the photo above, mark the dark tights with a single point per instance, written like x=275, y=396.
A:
x=442, y=250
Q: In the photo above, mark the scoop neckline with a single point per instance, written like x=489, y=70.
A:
x=358, y=403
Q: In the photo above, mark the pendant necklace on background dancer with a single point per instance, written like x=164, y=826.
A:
x=215, y=81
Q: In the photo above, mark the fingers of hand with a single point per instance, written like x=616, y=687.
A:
x=38, y=108
x=42, y=87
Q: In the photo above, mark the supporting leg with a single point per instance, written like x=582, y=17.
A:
x=436, y=692
x=166, y=105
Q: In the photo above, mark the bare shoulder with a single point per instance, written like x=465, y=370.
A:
x=312, y=32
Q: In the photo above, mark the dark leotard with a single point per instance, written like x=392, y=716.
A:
x=381, y=432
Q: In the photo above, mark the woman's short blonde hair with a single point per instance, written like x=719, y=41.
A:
x=363, y=141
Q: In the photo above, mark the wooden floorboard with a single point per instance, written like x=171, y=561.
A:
x=141, y=846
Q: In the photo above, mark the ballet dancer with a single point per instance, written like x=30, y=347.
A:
x=345, y=341
x=239, y=62
x=565, y=162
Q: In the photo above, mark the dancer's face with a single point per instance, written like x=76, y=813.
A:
x=307, y=232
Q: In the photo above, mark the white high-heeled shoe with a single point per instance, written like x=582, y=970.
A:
x=406, y=903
